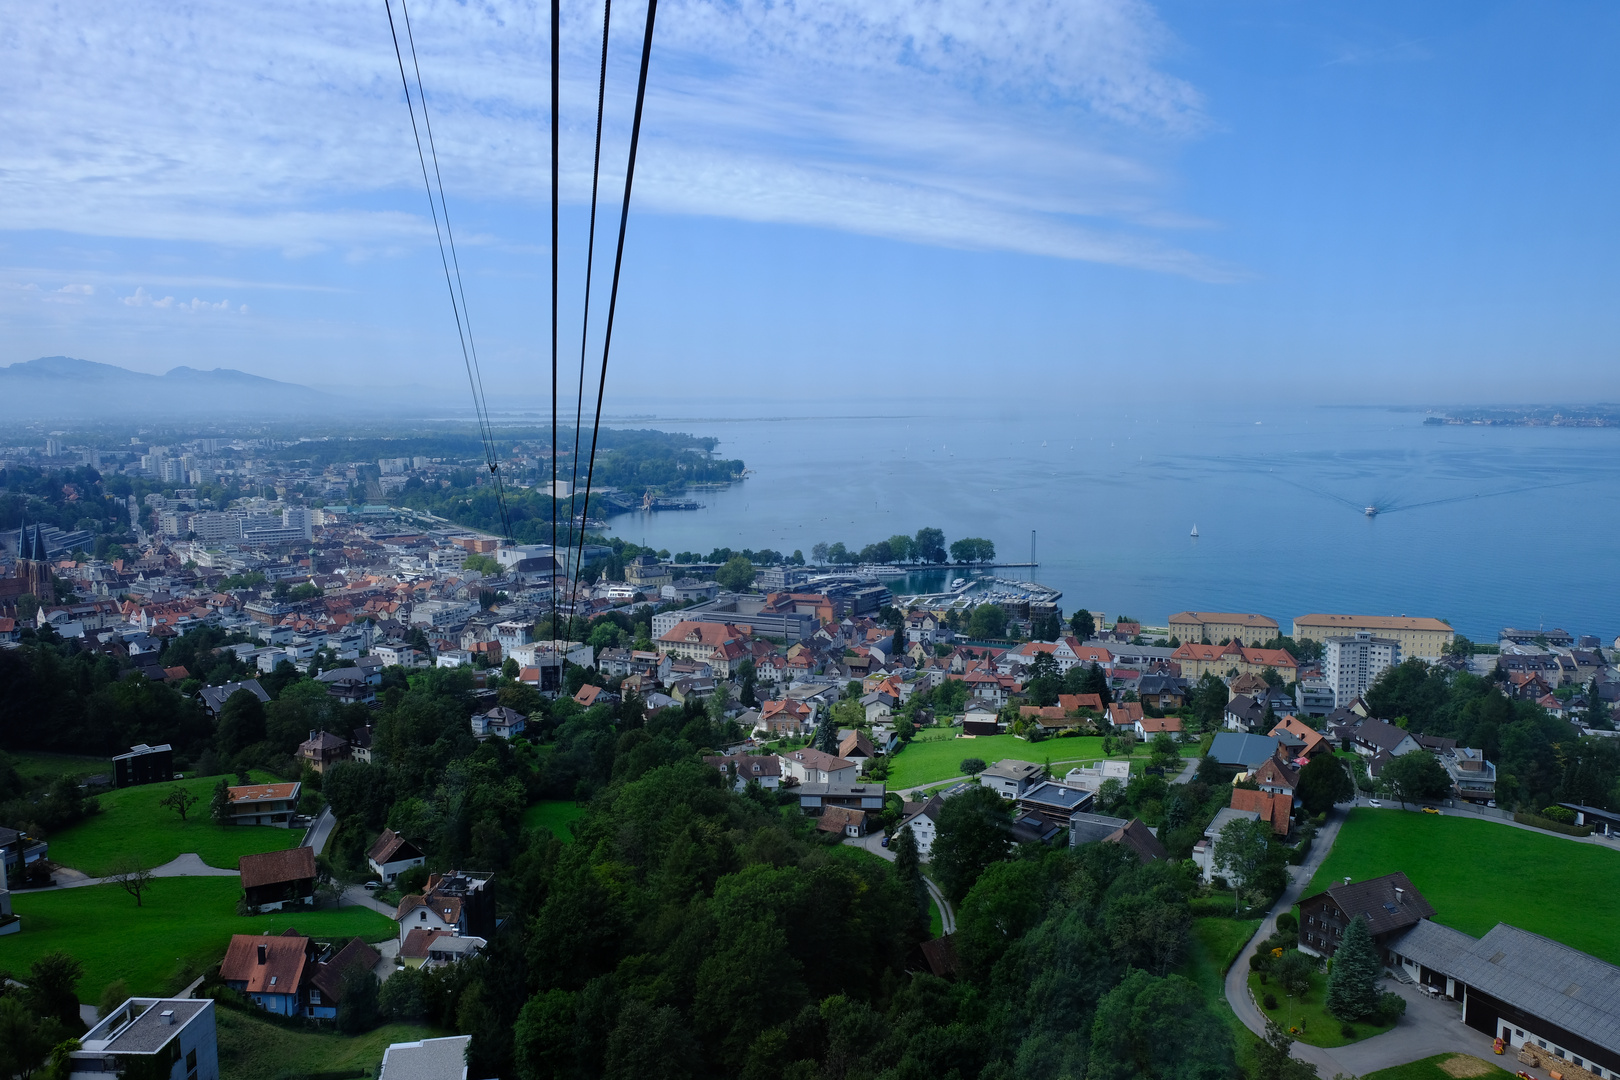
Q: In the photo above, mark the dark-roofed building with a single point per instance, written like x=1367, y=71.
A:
x=1557, y=1006
x=213, y=698
x=1139, y=839
x=322, y=750
x=1086, y=828
x=144, y=765
x=391, y=855
x=1390, y=904
x=1033, y=829
x=843, y=820
x=431, y=948
x=940, y=956
x=151, y=1031
x=763, y=769
x=276, y=878
x=1054, y=802
x=325, y=990
x=1246, y=752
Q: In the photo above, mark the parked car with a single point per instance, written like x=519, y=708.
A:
x=1374, y=802
x=373, y=885
x=1430, y=810
x=885, y=841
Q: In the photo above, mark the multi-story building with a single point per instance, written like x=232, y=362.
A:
x=146, y=1032
x=1426, y=639
x=1219, y=627
x=1472, y=777
x=1197, y=659
x=1350, y=665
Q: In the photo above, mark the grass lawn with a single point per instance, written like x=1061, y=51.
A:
x=1442, y=1067
x=181, y=921
x=132, y=823
x=1316, y=1025
x=254, y=1049
x=927, y=762
x=41, y=766
x=1478, y=873
x=1211, y=948
x=556, y=815
x=936, y=921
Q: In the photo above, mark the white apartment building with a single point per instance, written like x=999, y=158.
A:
x=1350, y=665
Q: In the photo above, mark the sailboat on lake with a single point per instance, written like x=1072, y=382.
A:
x=1195, y=530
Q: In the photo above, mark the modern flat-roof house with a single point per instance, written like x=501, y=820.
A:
x=1558, y=1007
x=1010, y=778
x=264, y=804
x=19, y=852
x=1055, y=803
x=1472, y=777
x=435, y=948
x=428, y=1059
x=143, y=765
x=1389, y=904
x=814, y=798
x=274, y=879
x=391, y=855
x=146, y=1032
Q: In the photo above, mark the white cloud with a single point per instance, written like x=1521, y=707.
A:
x=1039, y=126
x=78, y=290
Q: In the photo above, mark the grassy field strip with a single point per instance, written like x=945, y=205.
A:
x=555, y=815
x=1443, y=1067
x=132, y=823
x=1211, y=948
x=931, y=762
x=254, y=1049
x=35, y=765
x=1478, y=873
x=181, y=921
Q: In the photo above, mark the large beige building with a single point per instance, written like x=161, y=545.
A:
x=1219, y=627
x=1425, y=639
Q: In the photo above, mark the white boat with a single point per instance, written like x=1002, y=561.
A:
x=957, y=583
x=1195, y=529
x=1371, y=511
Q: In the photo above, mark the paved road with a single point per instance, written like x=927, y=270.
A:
x=187, y=865
x=357, y=896
x=320, y=831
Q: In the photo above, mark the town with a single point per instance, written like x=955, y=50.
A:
x=402, y=792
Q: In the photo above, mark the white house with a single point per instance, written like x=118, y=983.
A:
x=809, y=766
x=1010, y=778
x=391, y=855
x=499, y=721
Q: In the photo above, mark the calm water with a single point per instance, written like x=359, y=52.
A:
x=1277, y=494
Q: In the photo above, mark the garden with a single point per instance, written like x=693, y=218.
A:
x=933, y=761
x=1478, y=873
x=255, y=1049
x=555, y=816
x=134, y=823
x=180, y=929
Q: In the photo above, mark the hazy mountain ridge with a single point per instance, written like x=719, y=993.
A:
x=65, y=386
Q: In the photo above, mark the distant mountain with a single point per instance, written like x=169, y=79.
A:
x=62, y=386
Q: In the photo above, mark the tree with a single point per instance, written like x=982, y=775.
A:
x=510, y=669
x=972, y=834
x=1294, y=969
x=180, y=801
x=53, y=982
x=827, y=736
x=929, y=545
x=737, y=575
x=901, y=548
x=1272, y=1059
x=1083, y=625
x=241, y=722
x=1415, y=777
x=1158, y=1027
x=1352, y=989
x=357, y=1001
x=219, y=806
x=24, y=1041
x=1323, y=782
x=973, y=766
x=131, y=875
x=113, y=995
x=988, y=621
x=818, y=552
x=1242, y=850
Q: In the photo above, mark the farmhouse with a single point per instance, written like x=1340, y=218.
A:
x=277, y=878
x=391, y=855
x=1389, y=904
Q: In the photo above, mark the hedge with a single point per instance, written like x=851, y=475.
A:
x=1539, y=822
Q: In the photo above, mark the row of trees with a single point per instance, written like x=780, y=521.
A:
x=927, y=546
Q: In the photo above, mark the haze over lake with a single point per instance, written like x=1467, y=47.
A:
x=1276, y=495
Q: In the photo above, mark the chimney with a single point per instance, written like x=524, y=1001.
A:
x=261, y=954
x=1400, y=895
x=166, y=1017
x=1347, y=881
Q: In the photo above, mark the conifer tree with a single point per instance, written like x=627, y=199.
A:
x=1352, y=990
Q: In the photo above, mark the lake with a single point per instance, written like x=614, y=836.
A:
x=1484, y=527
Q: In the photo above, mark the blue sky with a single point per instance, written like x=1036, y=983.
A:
x=1303, y=201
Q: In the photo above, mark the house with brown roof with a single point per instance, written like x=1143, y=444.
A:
x=1139, y=840
x=842, y=820
x=1197, y=659
x=391, y=855
x=1297, y=739
x=269, y=970
x=1389, y=904
x=1220, y=627
x=324, y=992
x=460, y=902
x=763, y=769
x=1125, y=715
x=1149, y=726
x=1276, y=809
x=435, y=948
x=274, y=879
x=263, y=804
x=788, y=716
x=1277, y=777
x=809, y=766
x=697, y=640
x=322, y=750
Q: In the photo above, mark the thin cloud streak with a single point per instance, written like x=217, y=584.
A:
x=1040, y=127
